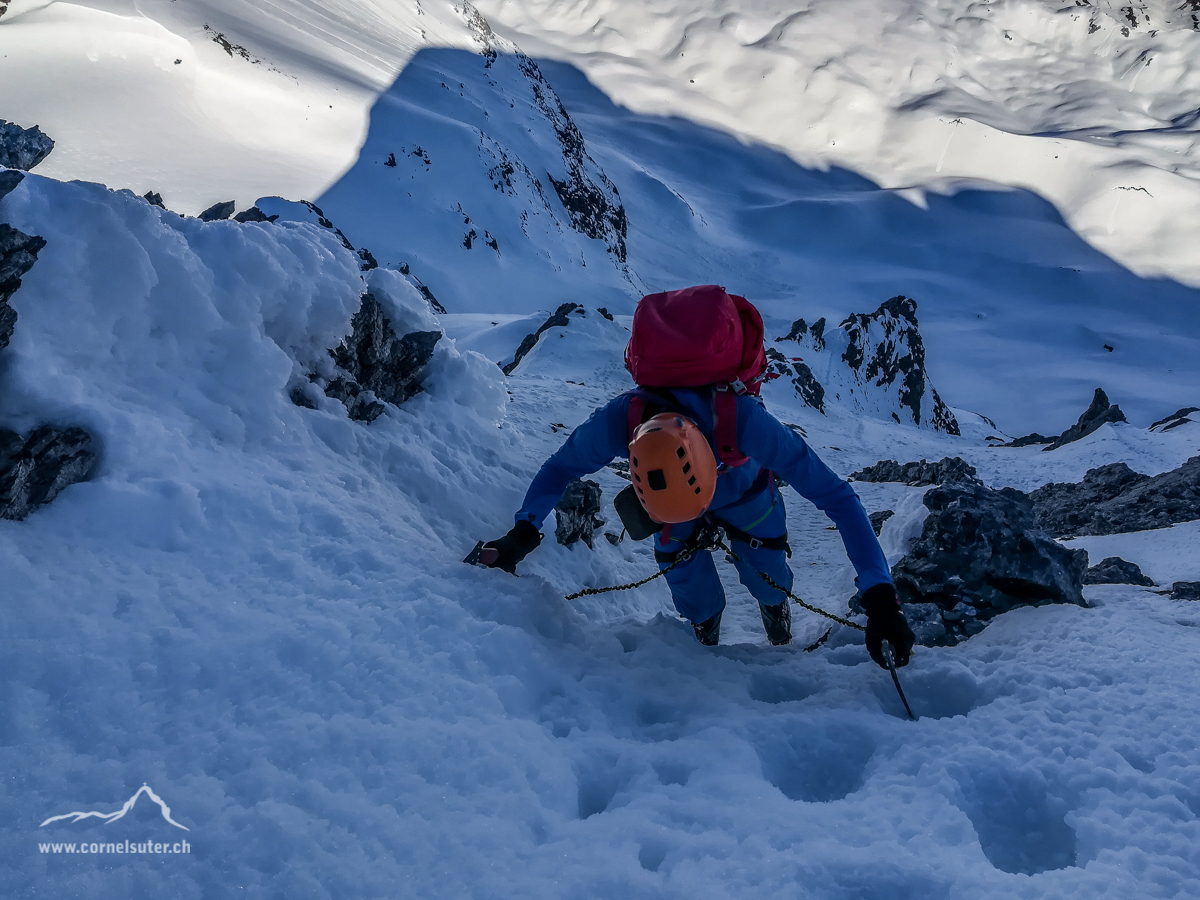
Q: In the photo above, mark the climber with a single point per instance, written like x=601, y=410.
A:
x=703, y=452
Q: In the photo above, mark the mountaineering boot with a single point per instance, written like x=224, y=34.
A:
x=777, y=620
x=708, y=633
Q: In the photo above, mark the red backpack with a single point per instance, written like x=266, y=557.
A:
x=696, y=337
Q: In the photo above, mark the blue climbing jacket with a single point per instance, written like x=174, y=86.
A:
x=760, y=436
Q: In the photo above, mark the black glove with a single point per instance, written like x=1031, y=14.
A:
x=885, y=622
x=504, y=553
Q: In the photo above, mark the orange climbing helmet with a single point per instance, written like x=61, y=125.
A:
x=673, y=468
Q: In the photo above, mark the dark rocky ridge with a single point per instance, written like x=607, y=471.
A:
x=34, y=470
x=980, y=554
x=557, y=319
x=218, y=211
x=918, y=474
x=1185, y=590
x=374, y=366
x=1099, y=412
x=1114, y=570
x=592, y=202
x=9, y=179
x=22, y=148
x=883, y=349
x=1114, y=499
x=18, y=253
x=577, y=513
x=878, y=518
x=1177, y=418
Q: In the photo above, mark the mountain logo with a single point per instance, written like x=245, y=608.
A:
x=113, y=816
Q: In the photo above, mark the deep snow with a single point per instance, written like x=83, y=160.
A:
x=258, y=609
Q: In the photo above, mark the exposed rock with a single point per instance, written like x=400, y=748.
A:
x=218, y=211
x=1185, y=590
x=878, y=518
x=1031, y=440
x=1114, y=570
x=380, y=363
x=592, y=202
x=34, y=470
x=1177, y=418
x=577, y=513
x=154, y=199
x=557, y=319
x=368, y=260
x=918, y=474
x=897, y=319
x=1113, y=499
x=801, y=329
x=980, y=554
x=9, y=179
x=879, y=365
x=604, y=312
x=1100, y=412
x=253, y=214
x=22, y=148
x=18, y=253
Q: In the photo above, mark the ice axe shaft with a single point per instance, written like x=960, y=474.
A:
x=889, y=655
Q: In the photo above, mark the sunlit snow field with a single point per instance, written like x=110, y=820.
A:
x=258, y=609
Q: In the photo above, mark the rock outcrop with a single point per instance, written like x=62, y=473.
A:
x=18, y=253
x=873, y=363
x=22, y=148
x=34, y=470
x=918, y=474
x=9, y=179
x=1114, y=570
x=558, y=319
x=1177, y=418
x=1114, y=499
x=218, y=211
x=1099, y=412
x=374, y=365
x=980, y=554
x=878, y=518
x=1185, y=590
x=577, y=513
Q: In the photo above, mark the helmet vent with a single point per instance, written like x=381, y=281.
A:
x=692, y=480
x=657, y=480
x=680, y=452
x=687, y=467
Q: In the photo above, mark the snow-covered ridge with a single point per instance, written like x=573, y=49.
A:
x=1071, y=100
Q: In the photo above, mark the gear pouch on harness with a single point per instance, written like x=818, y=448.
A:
x=637, y=522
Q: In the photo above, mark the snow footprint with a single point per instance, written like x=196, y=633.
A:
x=814, y=763
x=1021, y=826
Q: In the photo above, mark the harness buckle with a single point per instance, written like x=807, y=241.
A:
x=754, y=542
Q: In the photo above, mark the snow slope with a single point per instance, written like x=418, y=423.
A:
x=258, y=610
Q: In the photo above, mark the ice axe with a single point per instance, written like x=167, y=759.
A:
x=481, y=555
x=890, y=656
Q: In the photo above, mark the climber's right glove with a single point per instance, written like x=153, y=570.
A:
x=504, y=553
x=885, y=622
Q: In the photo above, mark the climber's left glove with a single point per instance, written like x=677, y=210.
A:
x=885, y=622
x=504, y=553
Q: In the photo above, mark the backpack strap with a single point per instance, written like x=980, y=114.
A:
x=725, y=426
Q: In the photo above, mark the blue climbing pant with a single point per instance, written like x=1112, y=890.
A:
x=695, y=586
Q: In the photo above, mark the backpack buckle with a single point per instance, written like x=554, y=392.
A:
x=739, y=387
x=754, y=542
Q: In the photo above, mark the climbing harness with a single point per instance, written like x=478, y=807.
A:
x=710, y=539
